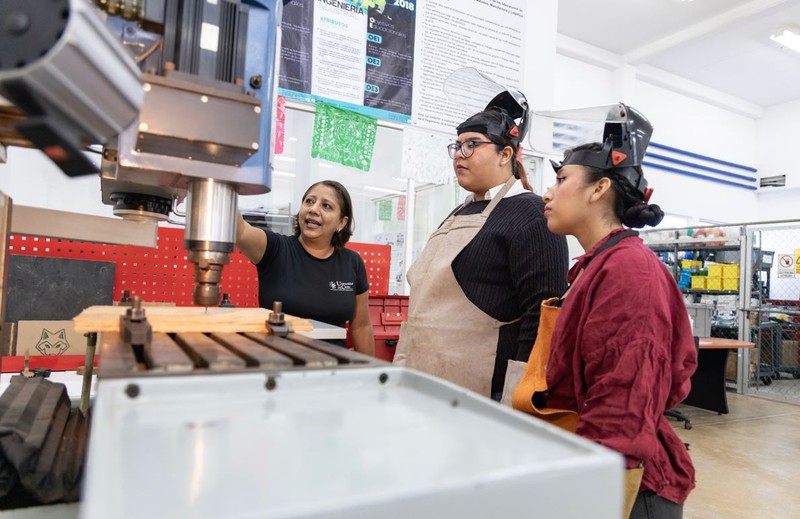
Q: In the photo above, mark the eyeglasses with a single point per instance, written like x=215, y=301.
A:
x=467, y=148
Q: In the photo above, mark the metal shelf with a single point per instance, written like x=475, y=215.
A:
x=673, y=246
x=712, y=292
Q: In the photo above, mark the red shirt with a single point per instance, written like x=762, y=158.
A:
x=622, y=353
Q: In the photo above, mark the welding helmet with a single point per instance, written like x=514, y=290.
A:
x=622, y=131
x=470, y=89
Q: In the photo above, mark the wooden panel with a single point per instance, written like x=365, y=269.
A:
x=175, y=319
x=208, y=353
x=305, y=356
x=255, y=353
x=163, y=354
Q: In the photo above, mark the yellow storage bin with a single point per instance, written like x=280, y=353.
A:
x=691, y=264
x=715, y=271
x=730, y=272
x=698, y=282
x=730, y=283
x=713, y=283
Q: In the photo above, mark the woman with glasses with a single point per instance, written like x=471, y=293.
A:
x=477, y=286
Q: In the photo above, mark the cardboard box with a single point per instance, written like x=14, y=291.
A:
x=730, y=366
x=730, y=283
x=790, y=354
x=713, y=283
x=49, y=338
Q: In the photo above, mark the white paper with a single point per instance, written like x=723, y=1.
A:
x=484, y=34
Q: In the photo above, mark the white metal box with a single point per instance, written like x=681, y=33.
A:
x=701, y=318
x=374, y=442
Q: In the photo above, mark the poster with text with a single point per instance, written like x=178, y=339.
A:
x=356, y=54
x=485, y=34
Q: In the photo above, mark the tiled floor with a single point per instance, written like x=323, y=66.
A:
x=747, y=462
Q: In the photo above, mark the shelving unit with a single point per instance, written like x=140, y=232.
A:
x=764, y=308
x=717, y=249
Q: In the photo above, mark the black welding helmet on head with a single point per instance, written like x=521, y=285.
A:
x=622, y=131
x=470, y=89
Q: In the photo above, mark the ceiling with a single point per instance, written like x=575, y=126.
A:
x=720, y=44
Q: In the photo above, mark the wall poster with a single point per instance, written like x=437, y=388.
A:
x=358, y=55
x=389, y=58
x=487, y=35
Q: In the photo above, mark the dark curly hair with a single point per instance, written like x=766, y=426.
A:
x=629, y=204
x=339, y=238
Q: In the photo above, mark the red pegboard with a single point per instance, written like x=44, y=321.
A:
x=377, y=259
x=160, y=275
x=164, y=275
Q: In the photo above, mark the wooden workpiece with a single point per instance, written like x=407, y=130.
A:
x=177, y=319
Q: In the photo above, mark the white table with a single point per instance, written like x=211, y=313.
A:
x=325, y=331
x=72, y=380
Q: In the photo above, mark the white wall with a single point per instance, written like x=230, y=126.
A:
x=31, y=179
x=692, y=125
x=777, y=140
x=579, y=84
x=778, y=133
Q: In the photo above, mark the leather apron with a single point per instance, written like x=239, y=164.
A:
x=530, y=393
x=446, y=334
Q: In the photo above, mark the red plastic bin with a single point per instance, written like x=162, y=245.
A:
x=387, y=314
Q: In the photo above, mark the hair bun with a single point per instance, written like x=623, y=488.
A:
x=642, y=214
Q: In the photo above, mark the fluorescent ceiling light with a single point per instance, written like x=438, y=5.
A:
x=787, y=38
x=324, y=165
x=287, y=159
x=282, y=174
x=383, y=190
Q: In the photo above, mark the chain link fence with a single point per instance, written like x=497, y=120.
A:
x=773, y=311
x=742, y=282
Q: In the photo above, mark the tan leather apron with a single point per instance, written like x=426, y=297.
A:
x=446, y=334
x=534, y=381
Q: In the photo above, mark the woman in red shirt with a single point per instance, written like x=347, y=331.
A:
x=622, y=350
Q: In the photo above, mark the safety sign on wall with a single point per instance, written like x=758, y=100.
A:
x=787, y=265
x=797, y=261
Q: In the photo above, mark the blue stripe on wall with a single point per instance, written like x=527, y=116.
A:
x=702, y=157
x=698, y=175
x=699, y=166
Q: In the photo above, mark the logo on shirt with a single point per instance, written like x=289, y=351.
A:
x=341, y=286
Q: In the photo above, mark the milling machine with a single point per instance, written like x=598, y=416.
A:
x=179, y=93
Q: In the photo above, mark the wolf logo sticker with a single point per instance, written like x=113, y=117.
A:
x=53, y=343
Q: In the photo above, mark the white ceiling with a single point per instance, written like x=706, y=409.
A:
x=720, y=44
